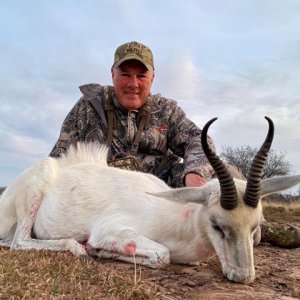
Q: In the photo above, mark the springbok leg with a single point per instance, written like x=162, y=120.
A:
x=22, y=239
x=133, y=249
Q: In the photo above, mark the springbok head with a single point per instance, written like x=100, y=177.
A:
x=231, y=210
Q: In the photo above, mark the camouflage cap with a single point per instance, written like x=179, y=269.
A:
x=134, y=50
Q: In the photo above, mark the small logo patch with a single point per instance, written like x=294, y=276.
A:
x=162, y=128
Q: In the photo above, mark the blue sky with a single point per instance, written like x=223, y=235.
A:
x=237, y=60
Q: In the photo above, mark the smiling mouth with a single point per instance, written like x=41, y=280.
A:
x=131, y=92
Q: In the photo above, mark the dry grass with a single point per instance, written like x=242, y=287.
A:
x=275, y=212
x=50, y=275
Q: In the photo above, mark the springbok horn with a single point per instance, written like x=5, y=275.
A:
x=227, y=186
x=252, y=193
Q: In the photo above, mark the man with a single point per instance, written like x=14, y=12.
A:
x=134, y=122
x=150, y=128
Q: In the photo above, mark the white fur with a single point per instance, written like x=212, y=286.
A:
x=78, y=203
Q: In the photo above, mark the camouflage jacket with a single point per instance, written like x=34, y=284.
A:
x=169, y=134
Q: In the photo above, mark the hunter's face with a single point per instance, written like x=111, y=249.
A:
x=132, y=82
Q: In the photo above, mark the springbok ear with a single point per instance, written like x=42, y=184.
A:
x=199, y=195
x=277, y=184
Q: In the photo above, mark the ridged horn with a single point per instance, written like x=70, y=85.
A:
x=229, y=198
x=252, y=192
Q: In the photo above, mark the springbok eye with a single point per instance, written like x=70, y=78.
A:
x=219, y=230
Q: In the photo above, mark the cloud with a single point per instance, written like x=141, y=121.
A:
x=235, y=60
x=240, y=100
x=24, y=146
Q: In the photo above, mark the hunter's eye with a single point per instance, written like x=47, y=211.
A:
x=218, y=229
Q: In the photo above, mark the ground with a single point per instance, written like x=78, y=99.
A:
x=40, y=274
x=277, y=277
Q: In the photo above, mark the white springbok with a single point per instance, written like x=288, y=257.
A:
x=79, y=203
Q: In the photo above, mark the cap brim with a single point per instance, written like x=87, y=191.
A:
x=133, y=57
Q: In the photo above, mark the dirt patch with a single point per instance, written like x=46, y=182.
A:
x=277, y=277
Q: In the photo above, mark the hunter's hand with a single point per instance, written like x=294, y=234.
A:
x=194, y=180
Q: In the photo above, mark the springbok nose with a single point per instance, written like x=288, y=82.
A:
x=241, y=275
